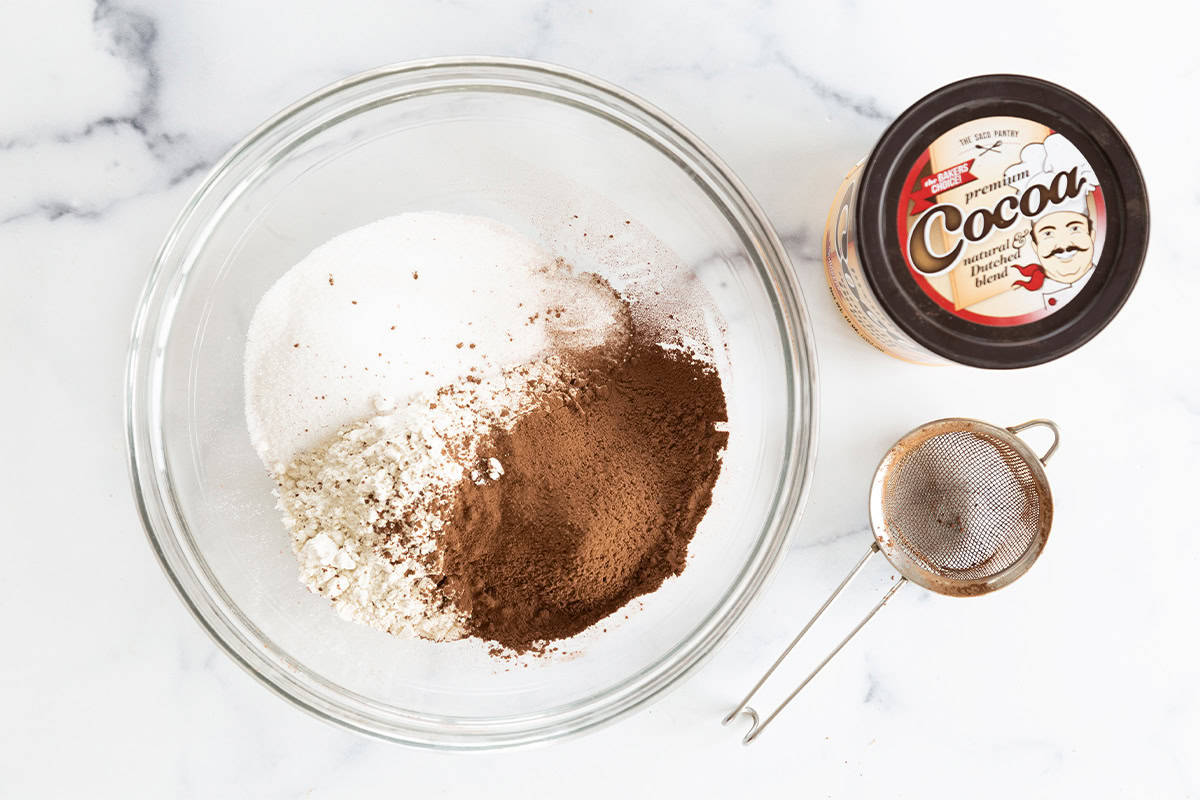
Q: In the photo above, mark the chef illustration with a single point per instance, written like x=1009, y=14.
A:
x=1063, y=233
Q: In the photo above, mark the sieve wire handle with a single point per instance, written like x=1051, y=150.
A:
x=1035, y=423
x=757, y=726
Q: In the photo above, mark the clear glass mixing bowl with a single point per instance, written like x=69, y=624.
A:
x=550, y=152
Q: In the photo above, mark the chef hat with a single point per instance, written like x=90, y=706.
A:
x=1044, y=160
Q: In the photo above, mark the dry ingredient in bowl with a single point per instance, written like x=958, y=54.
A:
x=471, y=438
x=365, y=508
x=598, y=502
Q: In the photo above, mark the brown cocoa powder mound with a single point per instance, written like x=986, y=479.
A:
x=597, y=504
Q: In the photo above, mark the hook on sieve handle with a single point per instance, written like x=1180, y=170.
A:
x=1045, y=423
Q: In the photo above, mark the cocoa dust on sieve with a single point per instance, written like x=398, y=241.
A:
x=598, y=501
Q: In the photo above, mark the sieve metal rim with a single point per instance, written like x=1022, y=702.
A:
x=917, y=573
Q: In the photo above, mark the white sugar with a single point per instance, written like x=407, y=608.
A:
x=398, y=308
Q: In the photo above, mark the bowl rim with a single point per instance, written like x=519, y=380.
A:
x=151, y=481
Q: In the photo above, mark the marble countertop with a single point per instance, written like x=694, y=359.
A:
x=1077, y=680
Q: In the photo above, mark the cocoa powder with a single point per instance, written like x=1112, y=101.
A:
x=599, y=498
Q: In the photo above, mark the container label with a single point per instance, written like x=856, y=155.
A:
x=1001, y=221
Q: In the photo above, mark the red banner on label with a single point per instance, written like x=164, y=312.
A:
x=941, y=181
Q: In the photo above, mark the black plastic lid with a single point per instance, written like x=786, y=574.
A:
x=1126, y=237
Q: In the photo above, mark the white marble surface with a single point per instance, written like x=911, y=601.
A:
x=1078, y=680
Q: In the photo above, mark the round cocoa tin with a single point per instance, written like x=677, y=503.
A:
x=999, y=222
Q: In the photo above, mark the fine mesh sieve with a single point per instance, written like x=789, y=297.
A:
x=957, y=506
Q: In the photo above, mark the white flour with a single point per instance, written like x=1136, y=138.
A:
x=368, y=390
x=365, y=509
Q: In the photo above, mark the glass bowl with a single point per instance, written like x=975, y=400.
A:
x=552, y=153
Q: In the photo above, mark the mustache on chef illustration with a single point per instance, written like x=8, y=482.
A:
x=1062, y=232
